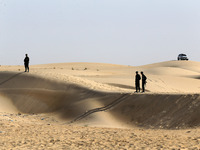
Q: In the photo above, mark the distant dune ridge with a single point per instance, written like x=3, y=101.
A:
x=103, y=95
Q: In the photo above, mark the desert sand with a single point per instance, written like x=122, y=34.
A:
x=93, y=106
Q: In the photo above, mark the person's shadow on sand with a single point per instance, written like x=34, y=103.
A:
x=10, y=78
x=123, y=86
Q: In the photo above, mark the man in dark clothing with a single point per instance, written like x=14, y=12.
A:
x=26, y=63
x=144, y=78
x=137, y=82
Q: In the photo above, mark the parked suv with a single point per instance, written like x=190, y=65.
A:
x=182, y=57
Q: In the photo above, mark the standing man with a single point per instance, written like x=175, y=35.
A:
x=137, y=82
x=26, y=63
x=144, y=78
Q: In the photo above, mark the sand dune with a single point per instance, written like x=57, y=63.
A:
x=102, y=95
x=173, y=85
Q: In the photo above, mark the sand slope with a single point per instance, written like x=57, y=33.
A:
x=70, y=106
x=71, y=90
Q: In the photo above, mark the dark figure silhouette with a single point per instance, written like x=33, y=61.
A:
x=144, y=78
x=137, y=82
x=26, y=63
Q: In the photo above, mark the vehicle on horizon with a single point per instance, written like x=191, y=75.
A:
x=182, y=57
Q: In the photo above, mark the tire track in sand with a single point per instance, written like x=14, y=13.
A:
x=89, y=112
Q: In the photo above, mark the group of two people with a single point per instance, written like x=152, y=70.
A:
x=137, y=81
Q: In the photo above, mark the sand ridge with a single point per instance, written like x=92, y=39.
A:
x=75, y=96
x=72, y=89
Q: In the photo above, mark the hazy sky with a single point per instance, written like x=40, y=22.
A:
x=127, y=32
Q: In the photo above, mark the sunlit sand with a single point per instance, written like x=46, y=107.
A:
x=93, y=106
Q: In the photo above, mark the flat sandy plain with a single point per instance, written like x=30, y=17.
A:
x=93, y=106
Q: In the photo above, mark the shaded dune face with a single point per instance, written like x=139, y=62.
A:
x=160, y=111
x=33, y=94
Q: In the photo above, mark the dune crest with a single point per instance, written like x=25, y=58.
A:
x=103, y=94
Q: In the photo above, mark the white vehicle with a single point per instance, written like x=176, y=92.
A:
x=182, y=57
